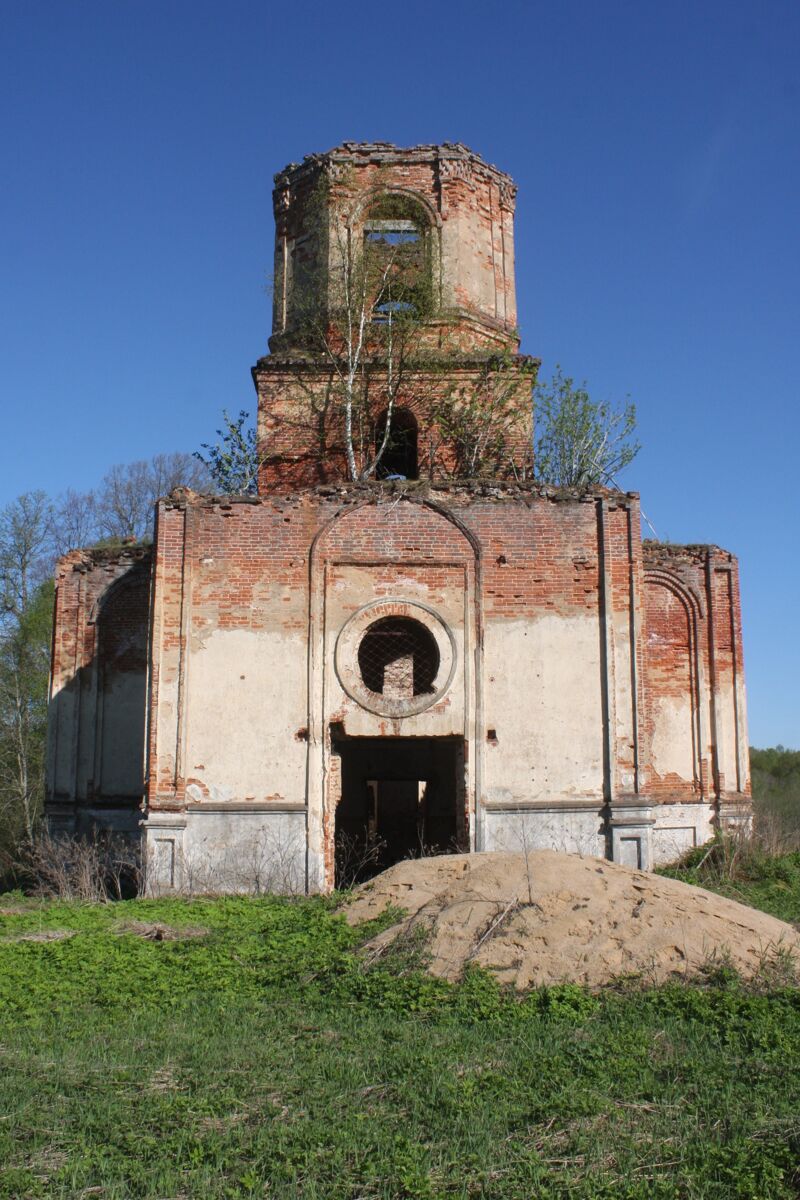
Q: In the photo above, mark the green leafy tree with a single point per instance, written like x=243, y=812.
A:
x=24, y=673
x=580, y=442
x=25, y=633
x=233, y=461
x=481, y=423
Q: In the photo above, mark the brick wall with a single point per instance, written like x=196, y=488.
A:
x=588, y=669
x=99, y=665
x=468, y=207
x=301, y=419
x=694, y=719
x=464, y=211
x=515, y=571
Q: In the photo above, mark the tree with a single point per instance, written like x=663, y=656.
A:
x=127, y=495
x=24, y=673
x=233, y=462
x=578, y=441
x=482, y=423
x=25, y=526
x=25, y=633
x=75, y=521
x=122, y=506
x=33, y=532
x=361, y=306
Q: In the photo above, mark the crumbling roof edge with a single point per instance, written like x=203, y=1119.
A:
x=93, y=556
x=284, y=360
x=495, y=489
x=656, y=551
x=384, y=152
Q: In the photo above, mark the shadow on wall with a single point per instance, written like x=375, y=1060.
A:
x=97, y=718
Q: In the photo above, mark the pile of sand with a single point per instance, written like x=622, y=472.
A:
x=546, y=918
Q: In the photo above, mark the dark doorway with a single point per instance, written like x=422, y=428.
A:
x=399, y=459
x=400, y=799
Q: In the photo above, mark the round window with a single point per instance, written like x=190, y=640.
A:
x=395, y=657
x=398, y=658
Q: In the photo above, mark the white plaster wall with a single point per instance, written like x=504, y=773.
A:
x=624, y=703
x=679, y=828
x=568, y=831
x=245, y=703
x=726, y=732
x=542, y=696
x=213, y=851
x=672, y=752
x=61, y=716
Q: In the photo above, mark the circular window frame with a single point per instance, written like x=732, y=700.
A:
x=347, y=667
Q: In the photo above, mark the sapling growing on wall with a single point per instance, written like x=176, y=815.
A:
x=233, y=461
x=580, y=442
x=361, y=296
x=485, y=423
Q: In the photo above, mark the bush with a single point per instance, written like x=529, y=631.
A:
x=102, y=866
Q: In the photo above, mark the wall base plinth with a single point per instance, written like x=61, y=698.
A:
x=226, y=849
x=735, y=814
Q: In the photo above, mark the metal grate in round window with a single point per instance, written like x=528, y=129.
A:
x=398, y=658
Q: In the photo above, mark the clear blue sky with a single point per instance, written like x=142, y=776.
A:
x=656, y=150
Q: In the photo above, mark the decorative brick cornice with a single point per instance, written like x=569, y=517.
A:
x=452, y=160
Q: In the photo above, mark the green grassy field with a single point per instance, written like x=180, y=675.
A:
x=260, y=1059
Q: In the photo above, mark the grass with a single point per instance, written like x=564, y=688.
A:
x=745, y=873
x=762, y=868
x=262, y=1060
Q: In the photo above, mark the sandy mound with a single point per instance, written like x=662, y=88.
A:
x=550, y=918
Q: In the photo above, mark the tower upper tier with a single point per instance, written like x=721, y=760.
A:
x=452, y=214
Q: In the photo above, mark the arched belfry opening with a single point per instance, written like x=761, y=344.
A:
x=400, y=459
x=397, y=258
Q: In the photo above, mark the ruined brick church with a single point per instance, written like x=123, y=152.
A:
x=417, y=661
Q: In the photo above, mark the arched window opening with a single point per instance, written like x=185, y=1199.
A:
x=396, y=255
x=399, y=459
x=398, y=658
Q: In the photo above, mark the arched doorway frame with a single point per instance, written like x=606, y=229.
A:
x=321, y=780
x=694, y=612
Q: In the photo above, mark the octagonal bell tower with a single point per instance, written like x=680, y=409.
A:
x=432, y=228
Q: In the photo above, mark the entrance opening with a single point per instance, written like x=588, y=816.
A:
x=399, y=459
x=401, y=798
